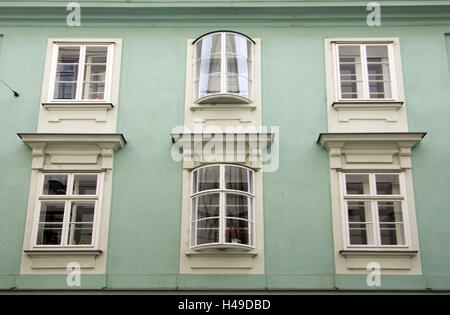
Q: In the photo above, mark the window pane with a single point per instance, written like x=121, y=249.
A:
x=208, y=46
x=49, y=234
x=377, y=53
x=205, y=231
x=206, y=178
x=205, y=206
x=82, y=212
x=380, y=89
x=80, y=234
x=359, y=211
x=206, y=66
x=350, y=72
x=207, y=85
x=238, y=85
x=96, y=54
x=239, y=65
x=388, y=184
x=378, y=70
x=85, y=184
x=357, y=184
x=95, y=72
x=360, y=223
x=391, y=223
x=51, y=212
x=392, y=234
x=237, y=232
x=94, y=90
x=390, y=211
x=66, y=91
x=50, y=223
x=55, y=185
x=239, y=45
x=238, y=206
x=360, y=234
x=238, y=178
x=66, y=72
x=69, y=55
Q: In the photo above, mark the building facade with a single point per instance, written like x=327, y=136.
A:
x=254, y=146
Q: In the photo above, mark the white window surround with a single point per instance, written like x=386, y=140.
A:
x=372, y=220
x=69, y=199
x=75, y=154
x=333, y=74
x=231, y=104
x=222, y=217
x=373, y=153
x=206, y=69
x=111, y=76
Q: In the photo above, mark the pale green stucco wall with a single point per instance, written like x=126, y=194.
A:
x=144, y=236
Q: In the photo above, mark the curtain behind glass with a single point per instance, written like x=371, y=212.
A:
x=208, y=65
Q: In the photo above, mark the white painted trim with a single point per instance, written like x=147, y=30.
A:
x=222, y=191
x=68, y=199
x=223, y=93
x=113, y=45
x=370, y=146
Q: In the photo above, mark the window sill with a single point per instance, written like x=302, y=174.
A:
x=223, y=247
x=368, y=104
x=381, y=252
x=223, y=98
x=62, y=252
x=224, y=107
x=77, y=105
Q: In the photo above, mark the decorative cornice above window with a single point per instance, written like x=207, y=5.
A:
x=73, y=151
x=200, y=148
x=227, y=137
x=351, y=150
x=328, y=140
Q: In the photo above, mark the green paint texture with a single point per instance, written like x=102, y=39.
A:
x=145, y=222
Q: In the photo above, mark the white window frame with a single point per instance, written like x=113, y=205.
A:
x=373, y=198
x=223, y=71
x=80, y=76
x=68, y=199
x=222, y=191
x=395, y=94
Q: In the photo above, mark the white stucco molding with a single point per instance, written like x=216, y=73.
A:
x=245, y=148
x=72, y=151
x=352, y=150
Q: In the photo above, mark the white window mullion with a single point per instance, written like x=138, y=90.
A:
x=223, y=65
x=65, y=226
x=222, y=202
x=80, y=79
x=374, y=210
x=222, y=218
x=365, y=72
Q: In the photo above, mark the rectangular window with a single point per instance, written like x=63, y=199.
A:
x=365, y=71
x=67, y=209
x=374, y=207
x=81, y=72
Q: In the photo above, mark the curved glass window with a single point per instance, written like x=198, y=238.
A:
x=222, y=206
x=223, y=65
